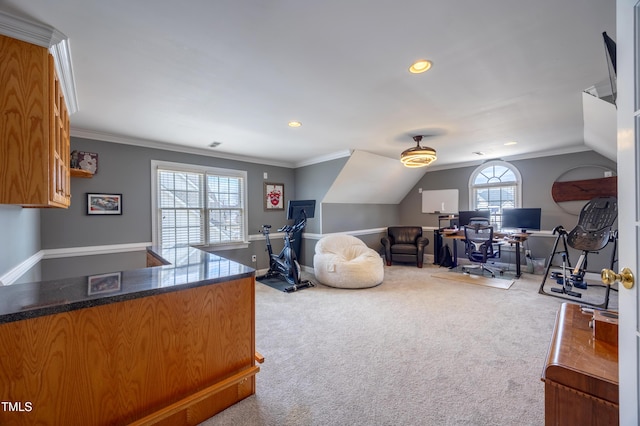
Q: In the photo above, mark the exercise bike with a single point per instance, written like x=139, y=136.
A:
x=285, y=264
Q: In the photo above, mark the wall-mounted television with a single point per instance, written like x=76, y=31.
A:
x=297, y=207
x=523, y=219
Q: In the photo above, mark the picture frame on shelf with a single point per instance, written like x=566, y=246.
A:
x=104, y=204
x=273, y=196
x=84, y=160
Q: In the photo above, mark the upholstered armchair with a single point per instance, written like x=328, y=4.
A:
x=404, y=244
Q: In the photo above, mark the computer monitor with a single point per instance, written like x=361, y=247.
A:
x=296, y=207
x=465, y=216
x=522, y=219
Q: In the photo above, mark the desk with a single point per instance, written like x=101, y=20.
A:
x=580, y=374
x=512, y=239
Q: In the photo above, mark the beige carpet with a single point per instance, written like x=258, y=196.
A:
x=413, y=351
x=504, y=284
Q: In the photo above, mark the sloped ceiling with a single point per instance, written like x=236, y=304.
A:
x=372, y=179
x=600, y=126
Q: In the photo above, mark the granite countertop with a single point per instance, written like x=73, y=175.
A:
x=187, y=267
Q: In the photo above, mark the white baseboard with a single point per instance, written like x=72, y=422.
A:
x=91, y=250
x=314, y=236
x=19, y=270
x=15, y=273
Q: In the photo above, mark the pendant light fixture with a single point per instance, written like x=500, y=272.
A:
x=418, y=156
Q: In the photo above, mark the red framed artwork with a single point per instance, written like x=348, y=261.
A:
x=273, y=196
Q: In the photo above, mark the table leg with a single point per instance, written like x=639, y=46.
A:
x=518, y=272
x=455, y=253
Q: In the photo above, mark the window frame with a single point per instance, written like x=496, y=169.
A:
x=484, y=166
x=194, y=168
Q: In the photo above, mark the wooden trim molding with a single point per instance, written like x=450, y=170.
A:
x=184, y=407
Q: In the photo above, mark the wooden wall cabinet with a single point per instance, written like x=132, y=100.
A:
x=34, y=128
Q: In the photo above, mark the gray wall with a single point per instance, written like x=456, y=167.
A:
x=20, y=235
x=126, y=169
x=313, y=182
x=349, y=217
x=69, y=267
x=538, y=175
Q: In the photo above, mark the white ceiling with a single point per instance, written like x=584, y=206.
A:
x=236, y=71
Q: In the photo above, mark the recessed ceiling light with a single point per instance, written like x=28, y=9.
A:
x=510, y=143
x=420, y=66
x=295, y=124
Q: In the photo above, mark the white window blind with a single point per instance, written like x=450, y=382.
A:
x=200, y=205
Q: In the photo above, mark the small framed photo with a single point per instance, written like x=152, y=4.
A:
x=105, y=283
x=104, y=204
x=87, y=161
x=273, y=196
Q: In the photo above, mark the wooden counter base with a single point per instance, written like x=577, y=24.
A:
x=175, y=358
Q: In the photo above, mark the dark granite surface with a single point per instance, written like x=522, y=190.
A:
x=189, y=267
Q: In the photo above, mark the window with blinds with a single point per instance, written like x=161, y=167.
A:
x=494, y=186
x=200, y=205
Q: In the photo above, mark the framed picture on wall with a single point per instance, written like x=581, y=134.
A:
x=273, y=196
x=104, y=204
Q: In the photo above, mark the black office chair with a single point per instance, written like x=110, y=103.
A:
x=478, y=243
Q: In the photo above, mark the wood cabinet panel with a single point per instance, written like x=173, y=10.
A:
x=130, y=360
x=154, y=261
x=580, y=374
x=34, y=129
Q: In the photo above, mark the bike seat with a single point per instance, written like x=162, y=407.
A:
x=266, y=226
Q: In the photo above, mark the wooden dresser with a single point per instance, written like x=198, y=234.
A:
x=580, y=373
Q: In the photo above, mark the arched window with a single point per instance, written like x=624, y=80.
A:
x=495, y=185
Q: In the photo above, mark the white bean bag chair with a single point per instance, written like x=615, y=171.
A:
x=345, y=261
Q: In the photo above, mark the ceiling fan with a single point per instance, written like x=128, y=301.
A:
x=418, y=156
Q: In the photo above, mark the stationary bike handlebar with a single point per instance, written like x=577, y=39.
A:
x=288, y=228
x=295, y=228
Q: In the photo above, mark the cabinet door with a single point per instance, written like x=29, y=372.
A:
x=25, y=117
x=58, y=142
x=34, y=129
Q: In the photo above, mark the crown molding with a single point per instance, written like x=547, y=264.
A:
x=61, y=52
x=145, y=143
x=50, y=38
x=323, y=158
x=537, y=154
